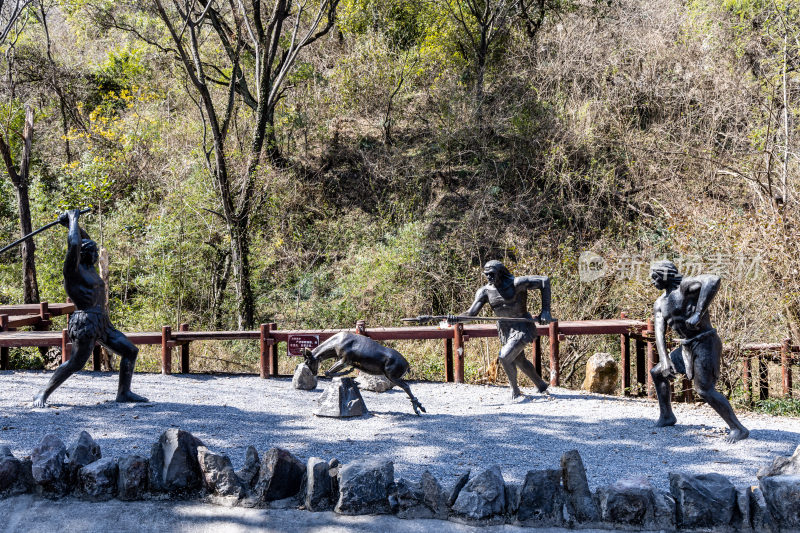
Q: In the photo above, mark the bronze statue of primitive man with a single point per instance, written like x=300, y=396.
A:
x=684, y=307
x=89, y=322
x=508, y=297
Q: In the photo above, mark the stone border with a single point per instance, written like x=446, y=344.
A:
x=180, y=466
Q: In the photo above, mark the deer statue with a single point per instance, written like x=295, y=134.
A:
x=363, y=353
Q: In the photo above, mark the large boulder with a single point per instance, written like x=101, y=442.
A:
x=634, y=503
x=303, y=378
x=706, y=500
x=425, y=499
x=218, y=475
x=341, y=399
x=319, y=486
x=173, y=463
x=541, y=499
x=84, y=450
x=602, y=372
x=280, y=475
x=782, y=466
x=98, y=480
x=373, y=382
x=364, y=487
x=48, y=466
x=132, y=480
x=483, y=497
x=248, y=475
x=782, y=494
x=15, y=478
x=580, y=504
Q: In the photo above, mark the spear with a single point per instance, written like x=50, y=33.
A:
x=463, y=318
x=36, y=232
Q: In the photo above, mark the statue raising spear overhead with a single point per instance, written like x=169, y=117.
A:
x=89, y=323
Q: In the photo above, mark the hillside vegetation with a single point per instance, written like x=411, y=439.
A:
x=336, y=160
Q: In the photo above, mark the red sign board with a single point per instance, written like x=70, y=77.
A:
x=297, y=343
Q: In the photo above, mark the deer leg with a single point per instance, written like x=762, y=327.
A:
x=403, y=385
x=336, y=369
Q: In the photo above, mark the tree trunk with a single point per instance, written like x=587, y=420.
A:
x=20, y=181
x=240, y=245
x=31, y=287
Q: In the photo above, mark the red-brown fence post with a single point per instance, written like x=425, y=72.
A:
x=554, y=368
x=763, y=377
x=625, y=362
x=537, y=355
x=166, y=351
x=272, y=348
x=458, y=349
x=66, y=346
x=448, y=360
x=4, y=350
x=652, y=358
x=263, y=337
x=746, y=384
x=786, y=367
x=184, y=351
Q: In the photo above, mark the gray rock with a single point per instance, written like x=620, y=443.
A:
x=319, y=486
x=48, y=468
x=782, y=466
x=483, y=497
x=14, y=478
x=218, y=475
x=425, y=499
x=280, y=475
x=759, y=512
x=373, y=383
x=173, y=463
x=706, y=500
x=664, y=514
x=303, y=378
x=513, y=497
x=456, y=490
x=602, y=373
x=98, y=480
x=741, y=513
x=541, y=499
x=248, y=475
x=782, y=494
x=364, y=487
x=341, y=399
x=634, y=503
x=626, y=502
x=576, y=486
x=84, y=451
x=132, y=480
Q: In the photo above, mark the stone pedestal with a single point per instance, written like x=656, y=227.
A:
x=341, y=399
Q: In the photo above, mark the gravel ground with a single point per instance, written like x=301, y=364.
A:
x=466, y=426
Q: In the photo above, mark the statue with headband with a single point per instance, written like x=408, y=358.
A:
x=508, y=297
x=684, y=307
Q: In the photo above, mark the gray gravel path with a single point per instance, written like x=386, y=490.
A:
x=466, y=426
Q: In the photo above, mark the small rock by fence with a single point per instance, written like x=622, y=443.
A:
x=180, y=466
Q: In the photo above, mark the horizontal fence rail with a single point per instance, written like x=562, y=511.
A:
x=454, y=340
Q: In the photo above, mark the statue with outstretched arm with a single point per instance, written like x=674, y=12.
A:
x=508, y=297
x=684, y=307
x=89, y=322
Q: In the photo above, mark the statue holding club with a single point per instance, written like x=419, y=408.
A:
x=89, y=323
